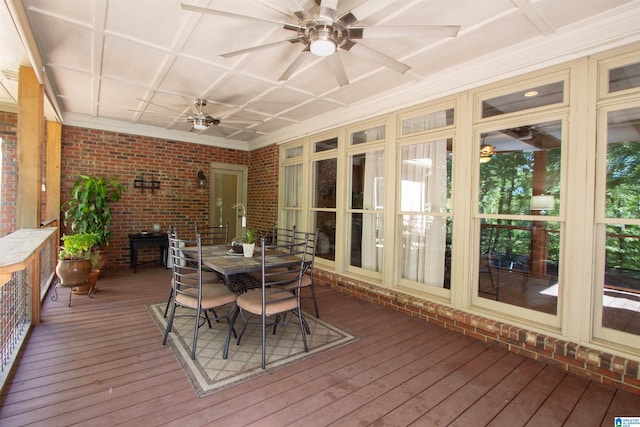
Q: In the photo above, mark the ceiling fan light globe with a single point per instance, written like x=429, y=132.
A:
x=322, y=47
x=199, y=124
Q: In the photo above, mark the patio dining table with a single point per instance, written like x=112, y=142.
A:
x=236, y=270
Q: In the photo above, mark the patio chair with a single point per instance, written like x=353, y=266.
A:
x=283, y=236
x=207, y=275
x=213, y=235
x=307, y=278
x=273, y=300
x=190, y=291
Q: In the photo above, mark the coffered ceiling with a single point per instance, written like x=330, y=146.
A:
x=136, y=65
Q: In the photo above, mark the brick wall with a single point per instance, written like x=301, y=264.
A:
x=262, y=197
x=9, y=178
x=592, y=363
x=178, y=201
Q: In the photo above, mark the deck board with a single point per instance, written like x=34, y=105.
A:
x=102, y=362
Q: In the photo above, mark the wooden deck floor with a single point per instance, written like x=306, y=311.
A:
x=101, y=363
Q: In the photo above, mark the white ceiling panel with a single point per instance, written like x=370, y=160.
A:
x=144, y=18
x=129, y=61
x=103, y=56
x=72, y=84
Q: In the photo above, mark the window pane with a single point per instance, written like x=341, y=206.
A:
x=518, y=263
x=621, y=299
x=623, y=164
x=428, y=121
x=329, y=144
x=368, y=135
x=426, y=249
x=324, y=183
x=426, y=176
x=525, y=162
x=625, y=77
x=292, y=186
x=293, y=152
x=367, y=178
x=533, y=97
x=325, y=223
x=291, y=217
x=366, y=241
x=367, y=193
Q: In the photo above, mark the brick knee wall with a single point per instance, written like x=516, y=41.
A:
x=594, y=364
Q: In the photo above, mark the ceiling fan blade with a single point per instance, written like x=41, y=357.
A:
x=295, y=64
x=338, y=69
x=362, y=11
x=262, y=46
x=328, y=10
x=273, y=7
x=188, y=101
x=158, y=105
x=227, y=14
x=176, y=116
x=367, y=52
x=406, y=31
x=302, y=13
x=243, y=122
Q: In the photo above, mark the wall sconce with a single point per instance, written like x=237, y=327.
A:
x=202, y=180
x=542, y=203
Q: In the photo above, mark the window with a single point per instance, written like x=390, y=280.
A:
x=424, y=220
x=525, y=99
x=324, y=196
x=519, y=258
x=366, y=210
x=619, y=229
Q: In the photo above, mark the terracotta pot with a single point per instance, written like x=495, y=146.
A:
x=73, y=271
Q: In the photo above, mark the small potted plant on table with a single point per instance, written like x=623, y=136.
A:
x=249, y=245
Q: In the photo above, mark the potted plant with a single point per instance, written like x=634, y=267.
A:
x=88, y=210
x=249, y=245
x=74, y=264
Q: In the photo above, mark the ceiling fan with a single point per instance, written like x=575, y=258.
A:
x=200, y=119
x=322, y=33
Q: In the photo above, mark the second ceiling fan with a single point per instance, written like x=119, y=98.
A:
x=324, y=32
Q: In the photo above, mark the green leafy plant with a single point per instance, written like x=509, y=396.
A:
x=251, y=235
x=88, y=211
x=78, y=246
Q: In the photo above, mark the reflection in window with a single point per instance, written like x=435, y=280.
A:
x=366, y=178
x=325, y=223
x=425, y=188
x=533, y=97
x=623, y=164
x=518, y=263
x=621, y=290
x=329, y=144
x=324, y=183
x=623, y=78
x=525, y=163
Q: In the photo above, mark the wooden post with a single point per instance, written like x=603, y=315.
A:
x=54, y=150
x=29, y=149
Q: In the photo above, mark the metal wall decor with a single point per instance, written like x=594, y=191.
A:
x=144, y=182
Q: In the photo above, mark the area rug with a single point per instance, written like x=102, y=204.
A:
x=210, y=373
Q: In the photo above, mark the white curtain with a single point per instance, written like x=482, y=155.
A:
x=372, y=224
x=424, y=190
x=292, y=196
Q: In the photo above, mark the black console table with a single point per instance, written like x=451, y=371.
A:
x=137, y=241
